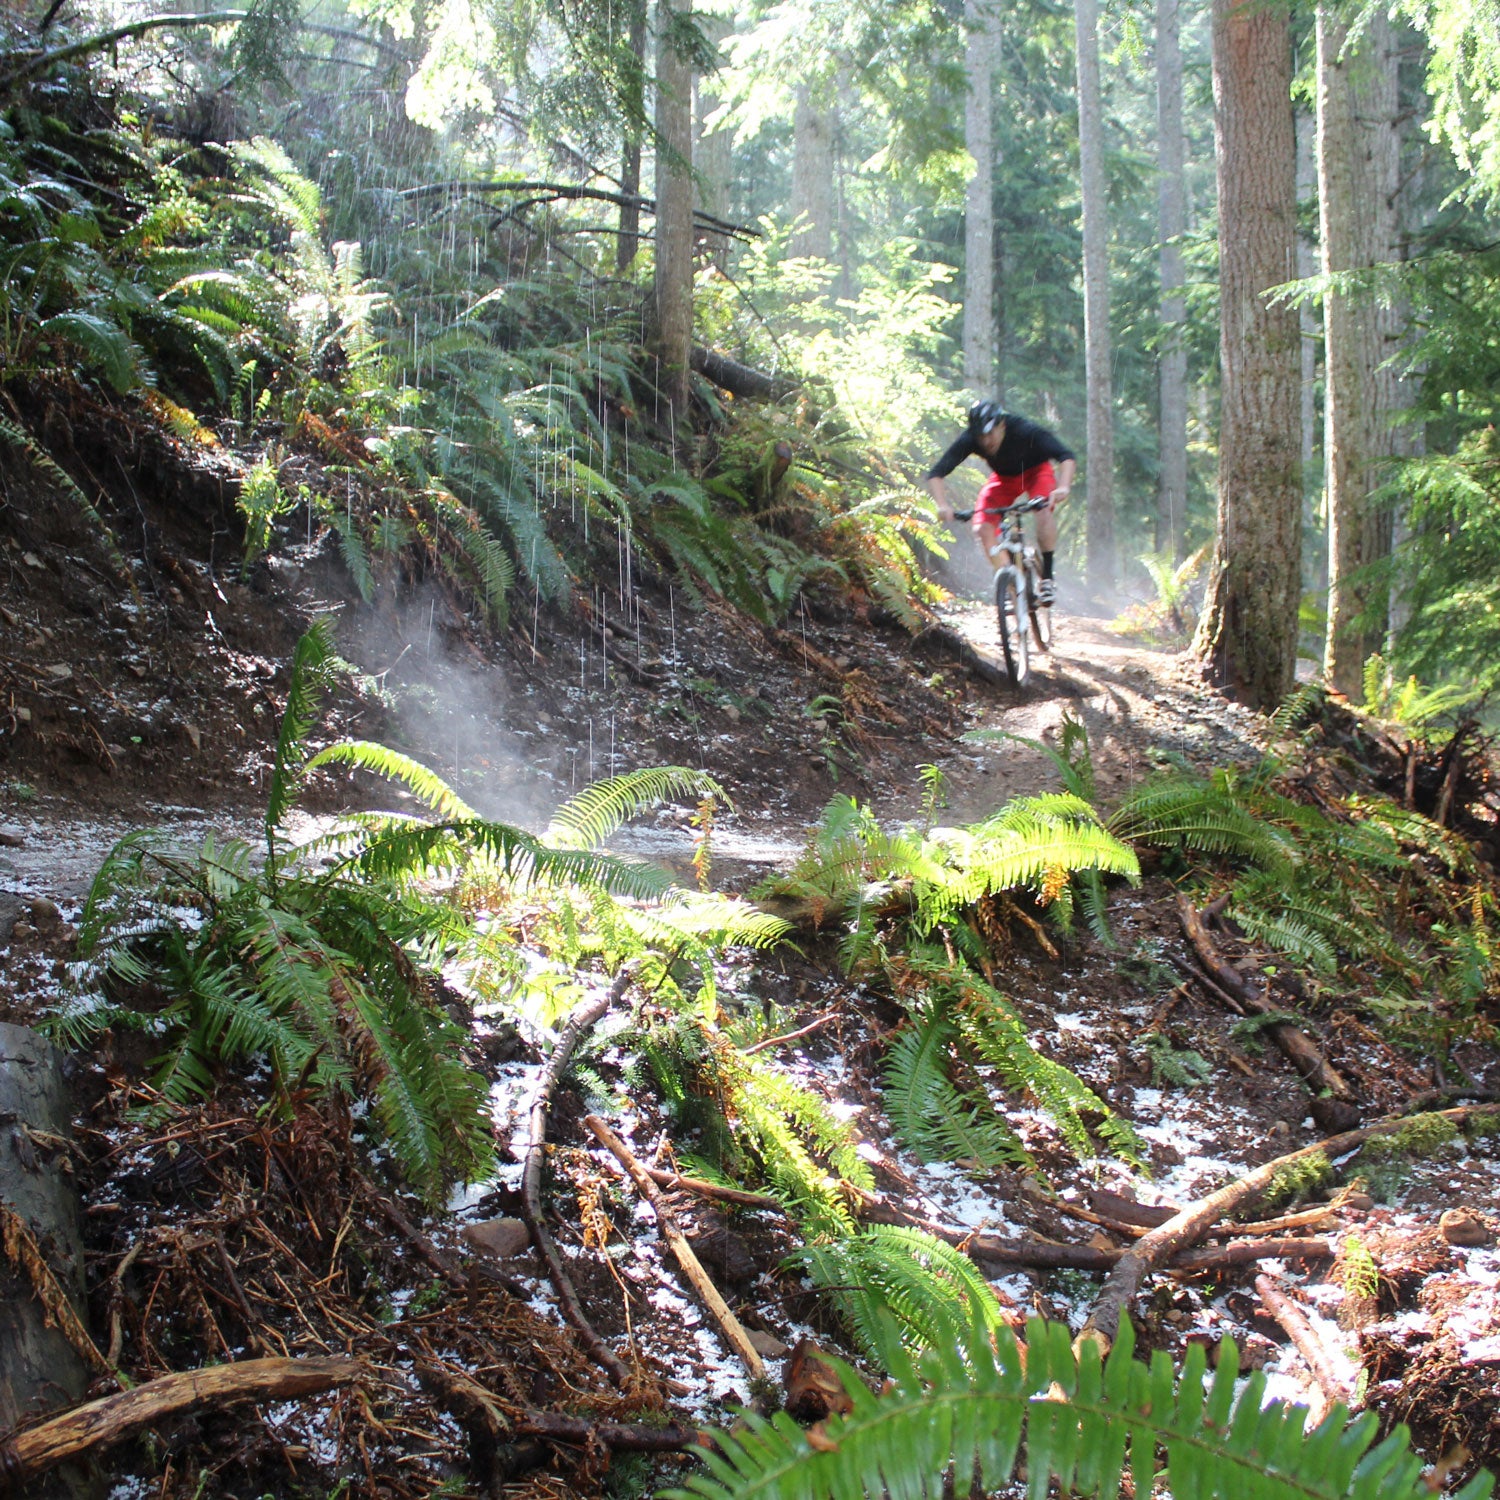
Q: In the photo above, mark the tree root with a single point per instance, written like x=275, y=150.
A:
x=1311, y=1065
x=586, y=1016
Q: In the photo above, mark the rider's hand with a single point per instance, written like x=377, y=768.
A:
x=1058, y=495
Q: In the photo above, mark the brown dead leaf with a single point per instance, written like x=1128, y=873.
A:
x=819, y=1441
x=813, y=1388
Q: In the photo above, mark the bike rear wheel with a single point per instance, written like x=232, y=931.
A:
x=1041, y=614
x=1008, y=610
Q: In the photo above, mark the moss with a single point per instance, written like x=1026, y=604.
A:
x=1297, y=1179
x=1420, y=1136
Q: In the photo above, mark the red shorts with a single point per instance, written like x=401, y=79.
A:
x=1001, y=491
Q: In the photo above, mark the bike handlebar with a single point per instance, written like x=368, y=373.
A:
x=1018, y=508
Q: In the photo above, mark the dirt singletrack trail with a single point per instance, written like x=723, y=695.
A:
x=1142, y=706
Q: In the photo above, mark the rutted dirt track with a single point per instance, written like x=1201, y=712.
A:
x=786, y=719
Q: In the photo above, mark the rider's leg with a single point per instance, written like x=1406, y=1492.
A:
x=1046, y=531
x=999, y=491
x=988, y=535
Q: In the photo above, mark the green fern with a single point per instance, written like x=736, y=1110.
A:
x=1205, y=816
x=971, y=1405
x=928, y=1112
x=887, y=1273
x=315, y=667
x=331, y=968
x=599, y=811
x=996, y=1034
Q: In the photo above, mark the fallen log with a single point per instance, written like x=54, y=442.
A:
x=1298, y=1047
x=739, y=380
x=1315, y=1217
x=1128, y=1211
x=1188, y=1226
x=99, y=1423
x=627, y=1437
x=1334, y=1389
x=1059, y=1255
x=1103, y=1221
x=1247, y=1252
x=582, y=1019
x=672, y=1233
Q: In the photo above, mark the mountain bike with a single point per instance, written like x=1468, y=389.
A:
x=1019, y=612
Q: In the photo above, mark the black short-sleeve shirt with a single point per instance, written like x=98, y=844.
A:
x=1025, y=445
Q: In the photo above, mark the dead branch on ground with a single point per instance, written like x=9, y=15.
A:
x=99, y=1423
x=1299, y=1049
x=1194, y=1221
x=671, y=1232
x=582, y=1019
x=1334, y=1388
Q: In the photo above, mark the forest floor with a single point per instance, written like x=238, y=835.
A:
x=161, y=709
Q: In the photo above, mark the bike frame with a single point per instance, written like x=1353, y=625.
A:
x=1021, y=554
x=1016, y=585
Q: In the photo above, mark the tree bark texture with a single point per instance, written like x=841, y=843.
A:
x=39, y=1367
x=1247, y=635
x=1358, y=179
x=630, y=150
x=1307, y=265
x=1171, y=494
x=812, y=176
x=979, y=203
x=674, y=210
x=1100, y=457
x=712, y=152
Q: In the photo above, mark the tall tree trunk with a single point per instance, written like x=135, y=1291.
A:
x=712, y=151
x=1171, y=495
x=1247, y=636
x=812, y=176
x=674, y=209
x=1358, y=173
x=979, y=204
x=1099, y=474
x=1307, y=265
x=630, y=150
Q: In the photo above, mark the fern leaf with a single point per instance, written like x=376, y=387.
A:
x=888, y=1273
x=602, y=808
x=14, y=435
x=394, y=766
x=971, y=1404
x=314, y=665
x=928, y=1112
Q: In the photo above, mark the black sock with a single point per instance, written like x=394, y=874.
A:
x=1046, y=565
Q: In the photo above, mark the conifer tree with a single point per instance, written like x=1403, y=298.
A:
x=1247, y=635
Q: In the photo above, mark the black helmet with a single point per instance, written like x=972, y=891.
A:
x=985, y=416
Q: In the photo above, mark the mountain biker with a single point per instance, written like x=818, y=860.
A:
x=1020, y=454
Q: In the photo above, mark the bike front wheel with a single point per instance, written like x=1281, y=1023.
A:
x=1010, y=616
